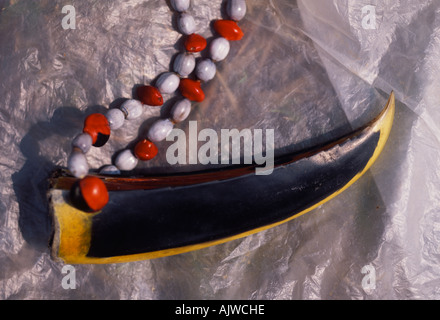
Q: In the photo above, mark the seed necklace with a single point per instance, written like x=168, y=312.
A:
x=89, y=193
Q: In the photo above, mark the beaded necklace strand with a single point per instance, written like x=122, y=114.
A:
x=89, y=193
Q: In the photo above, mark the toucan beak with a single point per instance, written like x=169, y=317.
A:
x=157, y=216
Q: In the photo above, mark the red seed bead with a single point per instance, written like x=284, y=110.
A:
x=192, y=90
x=94, y=192
x=228, y=29
x=89, y=194
x=98, y=127
x=145, y=150
x=150, y=96
x=195, y=43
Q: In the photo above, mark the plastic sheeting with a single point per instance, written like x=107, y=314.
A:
x=311, y=70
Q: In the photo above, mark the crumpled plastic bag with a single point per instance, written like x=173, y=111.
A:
x=311, y=70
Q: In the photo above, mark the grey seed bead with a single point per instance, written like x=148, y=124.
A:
x=77, y=164
x=110, y=170
x=83, y=141
x=236, y=9
x=181, y=111
x=206, y=70
x=168, y=83
x=184, y=64
x=160, y=130
x=219, y=49
x=132, y=109
x=126, y=160
x=116, y=118
x=180, y=5
x=186, y=23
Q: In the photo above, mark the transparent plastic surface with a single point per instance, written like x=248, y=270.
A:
x=310, y=70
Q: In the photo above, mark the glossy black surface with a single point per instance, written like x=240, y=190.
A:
x=145, y=221
x=102, y=140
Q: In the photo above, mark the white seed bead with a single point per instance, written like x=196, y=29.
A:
x=132, y=109
x=186, y=23
x=184, y=64
x=206, y=70
x=181, y=111
x=110, y=170
x=160, y=130
x=219, y=49
x=168, y=83
x=126, y=160
x=116, y=118
x=180, y=5
x=236, y=9
x=83, y=142
x=77, y=164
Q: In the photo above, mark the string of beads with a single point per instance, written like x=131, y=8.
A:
x=89, y=193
